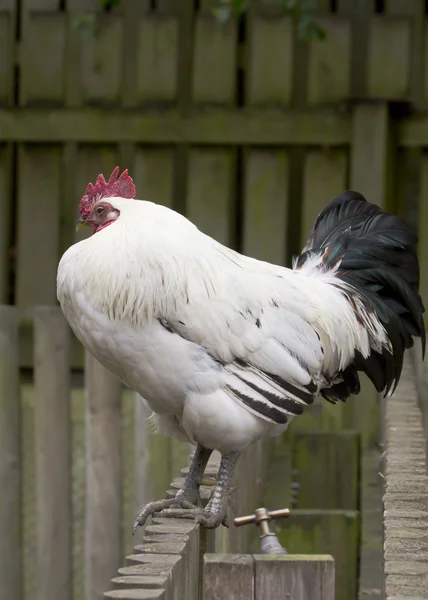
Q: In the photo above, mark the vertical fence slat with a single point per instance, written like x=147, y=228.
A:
x=11, y=573
x=423, y=229
x=103, y=478
x=53, y=458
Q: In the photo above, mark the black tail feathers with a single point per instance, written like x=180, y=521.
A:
x=377, y=254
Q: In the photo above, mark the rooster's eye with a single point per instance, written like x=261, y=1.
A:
x=100, y=210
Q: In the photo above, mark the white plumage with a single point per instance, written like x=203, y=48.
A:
x=225, y=349
x=171, y=311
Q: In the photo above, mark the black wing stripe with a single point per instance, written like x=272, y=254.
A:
x=272, y=413
x=306, y=397
x=292, y=406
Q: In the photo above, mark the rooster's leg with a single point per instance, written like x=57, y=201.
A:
x=186, y=498
x=215, y=512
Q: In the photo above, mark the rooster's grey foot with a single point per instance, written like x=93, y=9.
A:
x=207, y=519
x=158, y=507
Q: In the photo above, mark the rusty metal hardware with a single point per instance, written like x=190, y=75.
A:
x=269, y=543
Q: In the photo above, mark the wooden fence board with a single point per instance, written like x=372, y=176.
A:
x=370, y=174
x=157, y=59
x=53, y=459
x=100, y=60
x=5, y=221
x=423, y=229
x=103, y=478
x=336, y=458
x=303, y=577
x=415, y=11
x=223, y=127
x=214, y=58
x=39, y=174
x=29, y=500
x=78, y=488
x=324, y=178
x=329, y=62
x=228, y=576
x=11, y=577
x=42, y=58
x=7, y=51
x=334, y=532
x=270, y=61
x=211, y=191
x=389, y=57
x=154, y=174
x=266, y=205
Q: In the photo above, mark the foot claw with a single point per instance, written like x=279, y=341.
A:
x=158, y=508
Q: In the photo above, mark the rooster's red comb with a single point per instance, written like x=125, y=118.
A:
x=122, y=187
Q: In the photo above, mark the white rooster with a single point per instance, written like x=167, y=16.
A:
x=227, y=349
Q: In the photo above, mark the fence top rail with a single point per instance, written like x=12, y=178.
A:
x=406, y=495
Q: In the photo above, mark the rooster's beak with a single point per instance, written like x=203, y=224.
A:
x=81, y=223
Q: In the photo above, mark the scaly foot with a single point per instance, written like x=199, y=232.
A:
x=159, y=506
x=205, y=517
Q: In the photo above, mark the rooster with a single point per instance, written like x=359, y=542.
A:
x=226, y=349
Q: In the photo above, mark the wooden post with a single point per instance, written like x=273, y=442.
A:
x=103, y=478
x=302, y=577
x=10, y=459
x=53, y=456
x=370, y=175
x=228, y=576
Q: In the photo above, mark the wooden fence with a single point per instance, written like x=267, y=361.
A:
x=249, y=131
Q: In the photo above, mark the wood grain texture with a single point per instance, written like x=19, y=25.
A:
x=103, y=478
x=228, y=576
x=262, y=127
x=53, y=453
x=11, y=551
x=336, y=471
x=302, y=577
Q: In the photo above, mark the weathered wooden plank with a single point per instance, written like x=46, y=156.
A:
x=28, y=514
x=327, y=461
x=270, y=61
x=11, y=573
x=329, y=62
x=78, y=489
x=228, y=576
x=100, y=60
x=360, y=14
x=423, y=229
x=259, y=127
x=214, y=58
x=53, y=453
x=5, y=222
x=211, y=193
x=370, y=152
x=39, y=174
x=389, y=58
x=153, y=174
x=332, y=532
x=324, y=178
x=103, y=478
x=136, y=594
x=303, y=577
x=42, y=58
x=370, y=174
x=41, y=5
x=266, y=205
x=157, y=48
x=415, y=11
x=7, y=51
x=152, y=460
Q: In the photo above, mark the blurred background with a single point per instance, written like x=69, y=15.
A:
x=248, y=116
